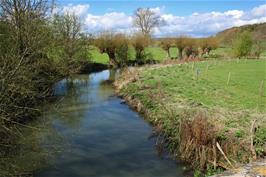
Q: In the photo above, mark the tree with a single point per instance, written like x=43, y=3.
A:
x=6, y=40
x=146, y=20
x=191, y=48
x=140, y=42
x=242, y=45
x=166, y=44
x=207, y=44
x=67, y=31
x=105, y=43
x=70, y=43
x=115, y=45
x=257, y=49
x=121, y=50
x=181, y=42
x=27, y=18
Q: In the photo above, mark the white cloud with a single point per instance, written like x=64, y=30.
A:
x=79, y=9
x=259, y=11
x=158, y=10
x=108, y=21
x=204, y=24
x=234, y=13
x=196, y=24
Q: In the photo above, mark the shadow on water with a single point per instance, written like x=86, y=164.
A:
x=89, y=133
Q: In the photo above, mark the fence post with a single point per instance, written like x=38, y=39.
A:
x=228, y=78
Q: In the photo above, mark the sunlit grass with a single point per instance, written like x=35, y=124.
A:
x=207, y=83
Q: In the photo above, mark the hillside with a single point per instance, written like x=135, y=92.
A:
x=258, y=32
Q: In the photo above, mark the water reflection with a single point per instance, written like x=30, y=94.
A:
x=91, y=134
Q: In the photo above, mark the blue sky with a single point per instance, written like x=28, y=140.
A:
x=214, y=14
x=176, y=7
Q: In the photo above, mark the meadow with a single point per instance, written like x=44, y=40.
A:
x=230, y=94
x=156, y=53
x=231, y=84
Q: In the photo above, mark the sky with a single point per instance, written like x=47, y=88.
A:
x=196, y=18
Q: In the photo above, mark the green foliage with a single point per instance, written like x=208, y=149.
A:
x=140, y=42
x=7, y=43
x=34, y=54
x=122, y=50
x=116, y=46
x=239, y=133
x=211, y=171
x=69, y=47
x=242, y=45
x=197, y=173
x=260, y=139
x=257, y=49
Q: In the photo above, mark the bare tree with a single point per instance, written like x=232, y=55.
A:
x=146, y=20
x=207, y=44
x=166, y=44
x=67, y=32
x=26, y=17
x=181, y=42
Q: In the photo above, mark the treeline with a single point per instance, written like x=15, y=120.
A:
x=243, y=45
x=36, y=50
x=188, y=47
x=117, y=47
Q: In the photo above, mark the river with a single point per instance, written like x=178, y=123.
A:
x=93, y=134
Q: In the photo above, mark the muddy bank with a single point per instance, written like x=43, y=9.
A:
x=192, y=132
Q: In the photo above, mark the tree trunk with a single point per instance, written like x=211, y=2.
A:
x=112, y=60
x=180, y=53
x=168, y=54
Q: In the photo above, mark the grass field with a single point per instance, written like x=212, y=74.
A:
x=233, y=93
x=212, y=88
x=159, y=54
x=156, y=53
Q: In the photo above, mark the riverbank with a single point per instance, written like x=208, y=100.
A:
x=209, y=112
x=23, y=95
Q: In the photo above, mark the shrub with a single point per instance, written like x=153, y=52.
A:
x=140, y=42
x=242, y=45
x=257, y=49
x=121, y=49
x=166, y=44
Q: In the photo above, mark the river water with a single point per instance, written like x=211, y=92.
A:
x=94, y=135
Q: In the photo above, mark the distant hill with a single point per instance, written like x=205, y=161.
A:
x=258, y=32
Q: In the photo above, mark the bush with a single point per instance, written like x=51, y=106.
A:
x=140, y=42
x=242, y=45
x=115, y=45
x=122, y=49
x=257, y=49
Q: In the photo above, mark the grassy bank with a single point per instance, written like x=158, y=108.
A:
x=209, y=112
